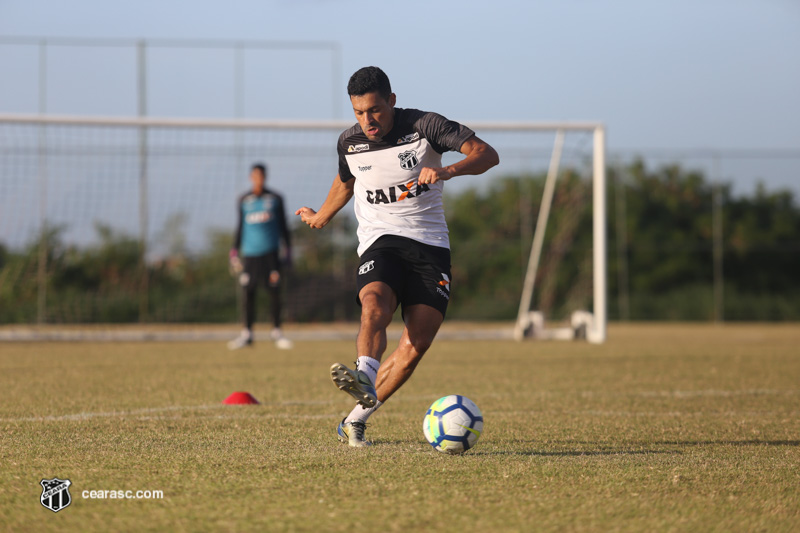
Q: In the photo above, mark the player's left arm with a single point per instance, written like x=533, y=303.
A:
x=480, y=157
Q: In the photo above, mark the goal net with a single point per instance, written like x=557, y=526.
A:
x=118, y=206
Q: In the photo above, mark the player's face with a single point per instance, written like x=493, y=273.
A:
x=374, y=114
x=257, y=179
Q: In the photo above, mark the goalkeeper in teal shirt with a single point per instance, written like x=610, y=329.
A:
x=255, y=256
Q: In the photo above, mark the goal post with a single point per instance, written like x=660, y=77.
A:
x=597, y=333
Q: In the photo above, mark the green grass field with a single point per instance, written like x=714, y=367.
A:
x=663, y=428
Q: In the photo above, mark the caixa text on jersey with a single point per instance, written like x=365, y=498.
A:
x=396, y=193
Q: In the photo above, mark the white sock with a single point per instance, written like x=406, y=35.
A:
x=360, y=413
x=369, y=366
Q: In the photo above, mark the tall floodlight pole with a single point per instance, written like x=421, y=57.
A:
x=41, y=274
x=623, y=293
x=336, y=69
x=238, y=103
x=143, y=223
x=716, y=218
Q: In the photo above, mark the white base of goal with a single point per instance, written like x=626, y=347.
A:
x=582, y=326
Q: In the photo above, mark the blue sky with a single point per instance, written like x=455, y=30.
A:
x=667, y=74
x=666, y=77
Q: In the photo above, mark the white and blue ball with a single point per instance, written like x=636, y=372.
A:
x=453, y=424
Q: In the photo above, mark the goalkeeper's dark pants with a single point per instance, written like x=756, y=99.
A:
x=261, y=270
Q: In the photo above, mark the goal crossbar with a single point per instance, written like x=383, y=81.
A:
x=172, y=122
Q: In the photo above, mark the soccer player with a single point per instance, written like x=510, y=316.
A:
x=261, y=228
x=391, y=161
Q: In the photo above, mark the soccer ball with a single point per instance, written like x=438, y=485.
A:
x=453, y=424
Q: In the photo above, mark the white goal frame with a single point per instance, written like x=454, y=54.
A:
x=590, y=325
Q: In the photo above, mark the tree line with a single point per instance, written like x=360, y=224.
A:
x=667, y=259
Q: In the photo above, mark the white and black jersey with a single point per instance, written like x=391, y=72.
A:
x=388, y=199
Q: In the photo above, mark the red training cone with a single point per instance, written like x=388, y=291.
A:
x=241, y=398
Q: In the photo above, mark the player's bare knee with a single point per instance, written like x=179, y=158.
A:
x=374, y=313
x=373, y=319
x=421, y=346
x=417, y=347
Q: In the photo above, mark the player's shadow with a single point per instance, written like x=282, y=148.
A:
x=631, y=448
x=575, y=453
x=644, y=448
x=751, y=442
x=747, y=442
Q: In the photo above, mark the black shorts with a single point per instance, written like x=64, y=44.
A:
x=417, y=273
x=262, y=270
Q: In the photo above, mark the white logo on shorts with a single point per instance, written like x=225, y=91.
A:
x=366, y=267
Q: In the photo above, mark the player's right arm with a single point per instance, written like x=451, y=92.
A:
x=237, y=237
x=234, y=262
x=338, y=196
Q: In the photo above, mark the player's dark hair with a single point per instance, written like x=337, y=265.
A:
x=260, y=166
x=369, y=80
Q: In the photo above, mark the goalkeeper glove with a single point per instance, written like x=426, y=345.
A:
x=235, y=264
